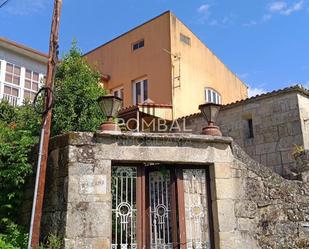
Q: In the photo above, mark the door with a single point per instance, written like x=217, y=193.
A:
x=161, y=220
x=161, y=207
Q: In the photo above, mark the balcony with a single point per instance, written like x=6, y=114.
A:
x=13, y=100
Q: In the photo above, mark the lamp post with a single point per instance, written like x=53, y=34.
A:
x=210, y=112
x=110, y=106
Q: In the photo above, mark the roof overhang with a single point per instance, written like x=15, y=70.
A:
x=21, y=49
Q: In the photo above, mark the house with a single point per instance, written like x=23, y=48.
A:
x=22, y=71
x=266, y=126
x=163, y=62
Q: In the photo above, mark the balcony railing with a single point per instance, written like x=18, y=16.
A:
x=13, y=100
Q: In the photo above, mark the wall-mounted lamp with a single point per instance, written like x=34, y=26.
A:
x=210, y=112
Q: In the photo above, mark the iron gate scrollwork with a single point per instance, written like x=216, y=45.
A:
x=124, y=208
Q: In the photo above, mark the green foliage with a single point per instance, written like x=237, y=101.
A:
x=14, y=236
x=76, y=92
x=16, y=141
x=53, y=242
x=75, y=109
x=18, y=129
x=6, y=245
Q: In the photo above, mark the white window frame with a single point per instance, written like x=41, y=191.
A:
x=142, y=81
x=138, y=44
x=13, y=74
x=118, y=91
x=21, y=87
x=31, y=82
x=217, y=99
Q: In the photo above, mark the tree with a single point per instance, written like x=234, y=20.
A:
x=75, y=109
x=76, y=92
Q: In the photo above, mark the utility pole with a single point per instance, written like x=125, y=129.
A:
x=35, y=225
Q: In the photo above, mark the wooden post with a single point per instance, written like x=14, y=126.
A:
x=34, y=234
x=181, y=209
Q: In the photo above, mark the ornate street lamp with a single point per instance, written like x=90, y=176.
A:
x=210, y=112
x=110, y=106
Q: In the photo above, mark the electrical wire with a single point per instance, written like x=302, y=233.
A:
x=4, y=3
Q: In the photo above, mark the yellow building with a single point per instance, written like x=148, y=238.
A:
x=162, y=62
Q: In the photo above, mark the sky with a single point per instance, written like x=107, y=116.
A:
x=266, y=43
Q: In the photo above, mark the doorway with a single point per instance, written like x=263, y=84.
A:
x=161, y=206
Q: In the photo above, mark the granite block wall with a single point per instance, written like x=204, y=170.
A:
x=253, y=207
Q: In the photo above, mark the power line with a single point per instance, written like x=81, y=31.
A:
x=4, y=3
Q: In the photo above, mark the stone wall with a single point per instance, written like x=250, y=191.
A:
x=277, y=126
x=271, y=210
x=253, y=207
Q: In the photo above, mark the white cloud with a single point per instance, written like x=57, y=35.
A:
x=225, y=21
x=204, y=9
x=283, y=8
x=277, y=6
x=251, y=23
x=25, y=7
x=266, y=17
x=306, y=85
x=253, y=91
x=295, y=7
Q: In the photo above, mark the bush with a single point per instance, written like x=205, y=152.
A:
x=75, y=109
x=16, y=142
x=14, y=236
x=53, y=242
x=76, y=92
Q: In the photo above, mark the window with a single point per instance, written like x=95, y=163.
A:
x=212, y=96
x=139, y=44
x=185, y=39
x=12, y=91
x=31, y=84
x=149, y=203
x=12, y=74
x=11, y=94
x=119, y=93
x=140, y=91
x=250, y=128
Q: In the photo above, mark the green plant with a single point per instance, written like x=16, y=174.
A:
x=53, y=242
x=6, y=245
x=297, y=151
x=76, y=92
x=14, y=236
x=75, y=109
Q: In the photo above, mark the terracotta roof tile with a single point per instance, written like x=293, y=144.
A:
x=295, y=88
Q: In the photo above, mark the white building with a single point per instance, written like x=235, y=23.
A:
x=22, y=71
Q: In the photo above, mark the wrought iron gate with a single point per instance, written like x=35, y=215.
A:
x=124, y=208
x=161, y=208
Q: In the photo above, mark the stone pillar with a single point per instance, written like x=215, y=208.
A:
x=89, y=210
x=227, y=189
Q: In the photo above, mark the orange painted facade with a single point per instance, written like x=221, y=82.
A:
x=178, y=67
